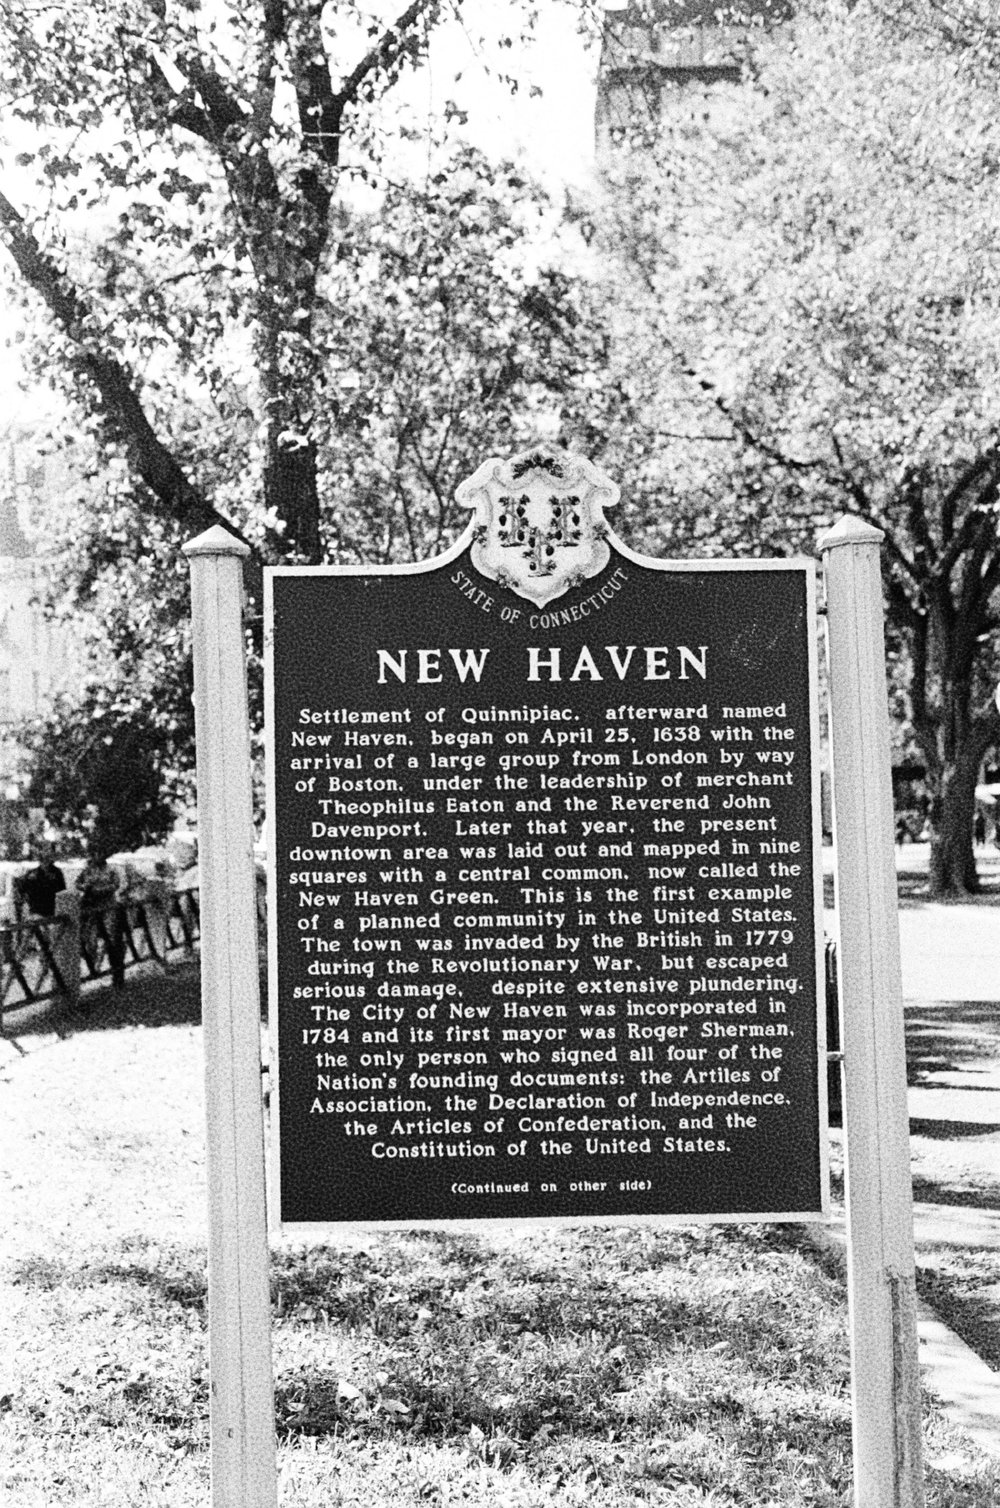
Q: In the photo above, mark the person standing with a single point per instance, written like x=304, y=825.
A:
x=40, y=886
x=101, y=913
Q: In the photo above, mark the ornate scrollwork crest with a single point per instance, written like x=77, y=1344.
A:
x=539, y=521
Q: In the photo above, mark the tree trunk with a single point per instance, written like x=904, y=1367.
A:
x=291, y=369
x=290, y=488
x=953, y=860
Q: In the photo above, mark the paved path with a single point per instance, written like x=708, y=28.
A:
x=950, y=952
x=950, y=956
x=956, y=1098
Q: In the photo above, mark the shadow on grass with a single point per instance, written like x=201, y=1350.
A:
x=176, y=1276
x=954, y=1038
x=427, y=1396
x=975, y=1318
x=914, y=892
x=938, y=1130
x=406, y=1284
x=150, y=998
x=927, y=1192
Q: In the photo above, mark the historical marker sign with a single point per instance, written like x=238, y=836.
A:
x=545, y=900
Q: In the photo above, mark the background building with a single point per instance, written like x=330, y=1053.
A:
x=39, y=656
x=668, y=63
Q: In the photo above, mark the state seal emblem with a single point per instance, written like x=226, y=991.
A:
x=539, y=525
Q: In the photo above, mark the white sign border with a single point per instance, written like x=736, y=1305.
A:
x=327, y=1230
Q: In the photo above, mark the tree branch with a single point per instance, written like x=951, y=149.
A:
x=119, y=406
x=991, y=578
x=849, y=480
x=903, y=606
x=224, y=111
x=273, y=32
x=249, y=174
x=218, y=112
x=319, y=109
x=974, y=593
x=924, y=721
x=866, y=507
x=391, y=48
x=983, y=466
x=179, y=110
x=817, y=466
x=984, y=728
x=967, y=532
x=221, y=111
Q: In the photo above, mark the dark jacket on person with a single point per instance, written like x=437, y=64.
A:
x=40, y=886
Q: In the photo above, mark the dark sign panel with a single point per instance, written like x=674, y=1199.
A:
x=543, y=900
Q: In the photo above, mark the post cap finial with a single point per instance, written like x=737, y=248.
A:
x=215, y=541
x=849, y=530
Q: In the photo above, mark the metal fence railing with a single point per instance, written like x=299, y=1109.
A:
x=32, y=960
x=47, y=958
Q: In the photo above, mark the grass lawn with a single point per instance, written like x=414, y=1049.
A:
x=702, y=1366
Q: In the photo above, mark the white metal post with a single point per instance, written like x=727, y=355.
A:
x=244, y=1472
x=881, y=1287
